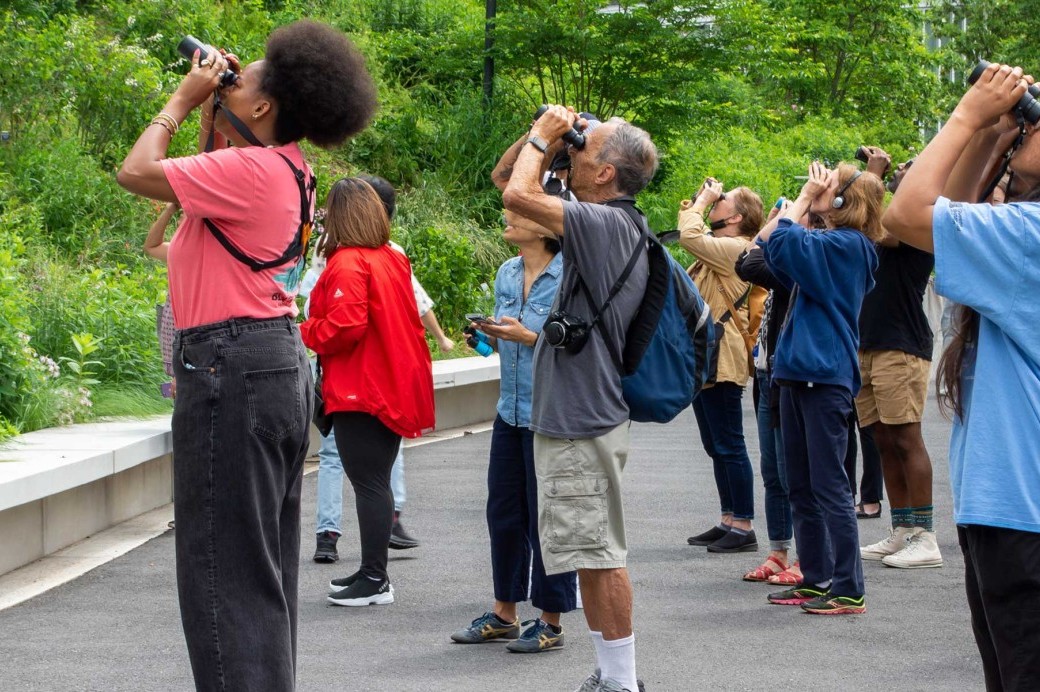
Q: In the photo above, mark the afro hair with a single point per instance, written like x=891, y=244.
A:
x=318, y=77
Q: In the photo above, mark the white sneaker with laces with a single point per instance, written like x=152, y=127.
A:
x=590, y=684
x=896, y=540
x=921, y=550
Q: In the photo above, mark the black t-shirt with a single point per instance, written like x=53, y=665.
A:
x=892, y=317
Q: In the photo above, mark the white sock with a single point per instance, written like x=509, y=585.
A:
x=597, y=642
x=618, y=662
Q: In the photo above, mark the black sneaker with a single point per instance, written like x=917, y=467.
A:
x=399, y=538
x=326, y=550
x=363, y=592
x=708, y=537
x=733, y=542
x=343, y=582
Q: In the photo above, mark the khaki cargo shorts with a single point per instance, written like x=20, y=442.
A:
x=895, y=387
x=581, y=523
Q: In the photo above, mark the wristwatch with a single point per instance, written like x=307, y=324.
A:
x=538, y=143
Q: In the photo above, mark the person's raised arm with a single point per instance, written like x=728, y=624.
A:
x=155, y=244
x=142, y=172
x=813, y=188
x=524, y=194
x=909, y=214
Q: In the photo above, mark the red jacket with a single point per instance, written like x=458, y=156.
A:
x=365, y=326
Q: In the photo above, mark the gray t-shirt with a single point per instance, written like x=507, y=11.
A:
x=579, y=396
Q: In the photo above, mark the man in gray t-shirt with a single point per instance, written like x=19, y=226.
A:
x=578, y=415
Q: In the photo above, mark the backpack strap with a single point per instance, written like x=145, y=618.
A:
x=298, y=246
x=731, y=310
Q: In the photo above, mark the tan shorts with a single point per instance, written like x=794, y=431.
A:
x=581, y=524
x=895, y=386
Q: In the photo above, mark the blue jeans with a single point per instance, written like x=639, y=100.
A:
x=774, y=471
x=815, y=422
x=512, y=518
x=721, y=423
x=240, y=435
x=330, y=484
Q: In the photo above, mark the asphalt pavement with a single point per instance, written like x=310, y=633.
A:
x=698, y=625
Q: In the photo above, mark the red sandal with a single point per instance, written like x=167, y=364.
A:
x=766, y=570
x=792, y=576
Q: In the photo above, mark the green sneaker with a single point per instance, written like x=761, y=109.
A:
x=835, y=605
x=796, y=596
x=537, y=638
x=485, y=628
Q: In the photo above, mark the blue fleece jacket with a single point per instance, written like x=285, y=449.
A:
x=830, y=272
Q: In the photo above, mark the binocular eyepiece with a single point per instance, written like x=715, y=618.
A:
x=574, y=138
x=190, y=44
x=1028, y=107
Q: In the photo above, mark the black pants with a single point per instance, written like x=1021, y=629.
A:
x=872, y=485
x=1002, y=578
x=367, y=449
x=240, y=434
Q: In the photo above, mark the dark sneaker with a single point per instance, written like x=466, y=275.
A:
x=326, y=550
x=835, y=605
x=590, y=684
x=796, y=596
x=536, y=638
x=343, y=582
x=708, y=537
x=363, y=592
x=733, y=542
x=485, y=628
x=399, y=538
x=609, y=685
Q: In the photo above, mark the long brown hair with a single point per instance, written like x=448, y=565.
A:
x=355, y=217
x=948, y=390
x=861, y=209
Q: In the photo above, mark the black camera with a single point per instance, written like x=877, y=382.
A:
x=1028, y=107
x=574, y=138
x=190, y=44
x=863, y=155
x=565, y=331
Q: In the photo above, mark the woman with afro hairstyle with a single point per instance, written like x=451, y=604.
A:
x=240, y=421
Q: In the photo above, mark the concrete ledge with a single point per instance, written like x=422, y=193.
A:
x=60, y=485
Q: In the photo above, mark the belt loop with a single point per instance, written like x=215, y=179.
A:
x=234, y=328
x=289, y=323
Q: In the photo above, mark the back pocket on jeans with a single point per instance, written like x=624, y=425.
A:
x=275, y=406
x=577, y=508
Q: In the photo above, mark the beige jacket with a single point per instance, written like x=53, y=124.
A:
x=714, y=271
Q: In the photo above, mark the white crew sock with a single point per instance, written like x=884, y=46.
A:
x=597, y=642
x=618, y=662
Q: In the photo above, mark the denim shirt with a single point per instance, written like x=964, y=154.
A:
x=515, y=360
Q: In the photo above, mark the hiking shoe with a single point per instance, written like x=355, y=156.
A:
x=399, y=538
x=835, y=605
x=485, y=628
x=326, y=550
x=363, y=592
x=796, y=596
x=921, y=551
x=708, y=537
x=609, y=685
x=890, y=545
x=591, y=683
x=540, y=636
x=733, y=542
x=343, y=582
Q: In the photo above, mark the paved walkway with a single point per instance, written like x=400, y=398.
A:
x=698, y=626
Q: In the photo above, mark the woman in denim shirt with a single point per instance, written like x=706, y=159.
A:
x=524, y=291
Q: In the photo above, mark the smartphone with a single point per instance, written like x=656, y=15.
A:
x=479, y=318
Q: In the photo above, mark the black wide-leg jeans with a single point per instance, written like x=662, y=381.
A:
x=240, y=435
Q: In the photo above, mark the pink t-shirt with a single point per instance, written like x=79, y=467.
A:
x=250, y=193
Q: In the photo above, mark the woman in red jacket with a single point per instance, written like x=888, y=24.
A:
x=377, y=375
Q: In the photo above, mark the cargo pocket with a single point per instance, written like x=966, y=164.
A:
x=275, y=406
x=577, y=508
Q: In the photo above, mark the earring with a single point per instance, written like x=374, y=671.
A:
x=255, y=116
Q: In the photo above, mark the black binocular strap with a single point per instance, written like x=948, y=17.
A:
x=1007, y=161
x=298, y=247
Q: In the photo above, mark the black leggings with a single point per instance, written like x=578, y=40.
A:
x=367, y=449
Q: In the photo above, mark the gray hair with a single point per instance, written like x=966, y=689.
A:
x=632, y=154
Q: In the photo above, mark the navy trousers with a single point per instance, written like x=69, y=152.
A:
x=815, y=424
x=512, y=518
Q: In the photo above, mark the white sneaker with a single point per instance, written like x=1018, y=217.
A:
x=896, y=540
x=921, y=551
